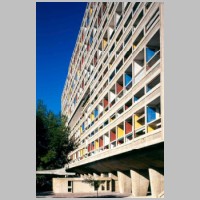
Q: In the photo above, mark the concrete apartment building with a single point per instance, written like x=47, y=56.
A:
x=114, y=100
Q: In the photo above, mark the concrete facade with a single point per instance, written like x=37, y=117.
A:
x=114, y=97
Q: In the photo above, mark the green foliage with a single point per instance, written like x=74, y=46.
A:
x=52, y=142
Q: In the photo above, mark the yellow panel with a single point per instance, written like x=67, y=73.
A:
x=81, y=152
x=149, y=129
x=81, y=129
x=90, y=11
x=120, y=132
x=137, y=124
x=96, y=144
x=134, y=46
x=84, y=151
x=104, y=43
x=92, y=116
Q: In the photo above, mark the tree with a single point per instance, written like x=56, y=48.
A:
x=91, y=181
x=52, y=140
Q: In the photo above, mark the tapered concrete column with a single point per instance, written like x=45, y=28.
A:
x=111, y=175
x=82, y=176
x=124, y=182
x=95, y=175
x=156, y=181
x=140, y=182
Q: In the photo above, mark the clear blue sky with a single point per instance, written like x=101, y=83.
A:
x=57, y=28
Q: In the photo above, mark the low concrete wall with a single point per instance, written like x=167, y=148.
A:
x=60, y=185
x=79, y=186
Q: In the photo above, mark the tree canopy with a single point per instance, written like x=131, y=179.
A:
x=52, y=142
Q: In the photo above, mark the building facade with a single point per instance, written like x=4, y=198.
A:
x=114, y=97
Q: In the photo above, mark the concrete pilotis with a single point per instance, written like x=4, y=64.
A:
x=124, y=182
x=140, y=182
x=156, y=181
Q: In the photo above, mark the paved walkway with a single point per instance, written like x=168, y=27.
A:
x=81, y=195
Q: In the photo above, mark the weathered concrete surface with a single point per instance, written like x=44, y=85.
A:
x=140, y=182
x=157, y=181
x=124, y=182
x=60, y=185
x=60, y=171
x=136, y=159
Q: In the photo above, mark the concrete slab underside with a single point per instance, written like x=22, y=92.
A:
x=151, y=156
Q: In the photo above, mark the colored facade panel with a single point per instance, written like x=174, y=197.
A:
x=92, y=116
x=96, y=113
x=120, y=132
x=96, y=144
x=137, y=124
x=128, y=79
x=149, y=54
x=112, y=136
x=151, y=114
x=150, y=128
x=100, y=141
x=128, y=127
x=89, y=147
x=119, y=88
x=105, y=101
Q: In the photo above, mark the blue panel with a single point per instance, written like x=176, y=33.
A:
x=148, y=89
x=91, y=39
x=149, y=54
x=83, y=127
x=96, y=113
x=88, y=20
x=135, y=99
x=128, y=79
x=151, y=114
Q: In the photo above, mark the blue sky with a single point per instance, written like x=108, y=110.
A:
x=57, y=28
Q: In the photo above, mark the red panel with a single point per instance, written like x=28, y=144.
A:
x=128, y=127
x=119, y=88
x=112, y=136
x=88, y=147
x=105, y=102
x=83, y=84
x=100, y=142
x=92, y=147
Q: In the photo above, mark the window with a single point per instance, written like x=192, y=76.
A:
x=138, y=95
x=147, y=5
x=139, y=18
x=119, y=36
x=69, y=183
x=128, y=37
x=152, y=20
x=112, y=76
x=153, y=83
x=127, y=4
x=128, y=21
x=135, y=6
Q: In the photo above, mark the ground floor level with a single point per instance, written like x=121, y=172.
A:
x=137, y=183
x=82, y=195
